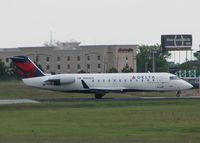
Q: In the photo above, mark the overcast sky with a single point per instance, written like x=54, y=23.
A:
x=29, y=22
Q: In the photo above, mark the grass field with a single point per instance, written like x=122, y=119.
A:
x=170, y=121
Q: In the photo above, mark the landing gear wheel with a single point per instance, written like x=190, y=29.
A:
x=98, y=96
x=178, y=94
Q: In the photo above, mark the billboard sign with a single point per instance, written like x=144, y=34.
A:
x=176, y=42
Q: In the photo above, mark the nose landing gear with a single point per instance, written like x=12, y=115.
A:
x=178, y=93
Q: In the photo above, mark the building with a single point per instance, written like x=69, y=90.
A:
x=71, y=57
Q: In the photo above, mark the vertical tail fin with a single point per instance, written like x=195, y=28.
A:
x=26, y=68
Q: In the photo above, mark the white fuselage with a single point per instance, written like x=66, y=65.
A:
x=109, y=82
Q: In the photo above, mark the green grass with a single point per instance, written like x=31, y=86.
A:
x=170, y=121
x=135, y=121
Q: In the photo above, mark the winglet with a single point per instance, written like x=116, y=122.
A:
x=84, y=84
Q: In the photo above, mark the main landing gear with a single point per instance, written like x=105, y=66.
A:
x=99, y=95
x=178, y=93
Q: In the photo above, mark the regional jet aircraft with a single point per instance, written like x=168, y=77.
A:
x=98, y=83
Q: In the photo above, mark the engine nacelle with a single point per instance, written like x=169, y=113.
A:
x=60, y=80
x=67, y=79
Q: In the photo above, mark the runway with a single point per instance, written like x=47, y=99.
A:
x=20, y=101
x=115, y=99
x=16, y=101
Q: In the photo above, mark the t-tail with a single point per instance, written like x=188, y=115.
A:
x=26, y=68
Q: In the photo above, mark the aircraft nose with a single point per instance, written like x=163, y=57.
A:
x=190, y=85
x=187, y=85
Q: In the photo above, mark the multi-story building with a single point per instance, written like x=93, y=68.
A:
x=71, y=57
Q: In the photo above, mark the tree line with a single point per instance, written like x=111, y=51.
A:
x=8, y=72
x=145, y=60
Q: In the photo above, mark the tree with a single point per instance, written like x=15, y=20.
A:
x=6, y=72
x=189, y=65
x=113, y=70
x=12, y=71
x=81, y=71
x=3, y=73
x=145, y=57
x=127, y=69
x=197, y=55
x=192, y=65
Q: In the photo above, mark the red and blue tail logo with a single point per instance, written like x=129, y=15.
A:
x=26, y=68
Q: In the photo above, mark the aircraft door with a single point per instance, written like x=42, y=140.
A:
x=160, y=82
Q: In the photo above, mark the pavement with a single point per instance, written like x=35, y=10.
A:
x=20, y=101
x=116, y=99
x=16, y=101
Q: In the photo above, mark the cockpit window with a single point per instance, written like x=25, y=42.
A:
x=173, y=78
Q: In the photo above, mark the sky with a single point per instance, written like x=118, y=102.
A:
x=30, y=22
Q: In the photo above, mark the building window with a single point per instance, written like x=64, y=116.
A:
x=58, y=59
x=78, y=66
x=68, y=58
x=88, y=66
x=47, y=67
x=68, y=66
x=99, y=66
x=58, y=67
x=99, y=58
x=78, y=58
x=88, y=57
x=47, y=59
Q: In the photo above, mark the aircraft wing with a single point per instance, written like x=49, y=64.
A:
x=97, y=89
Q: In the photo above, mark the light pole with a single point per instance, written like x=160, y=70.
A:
x=153, y=60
